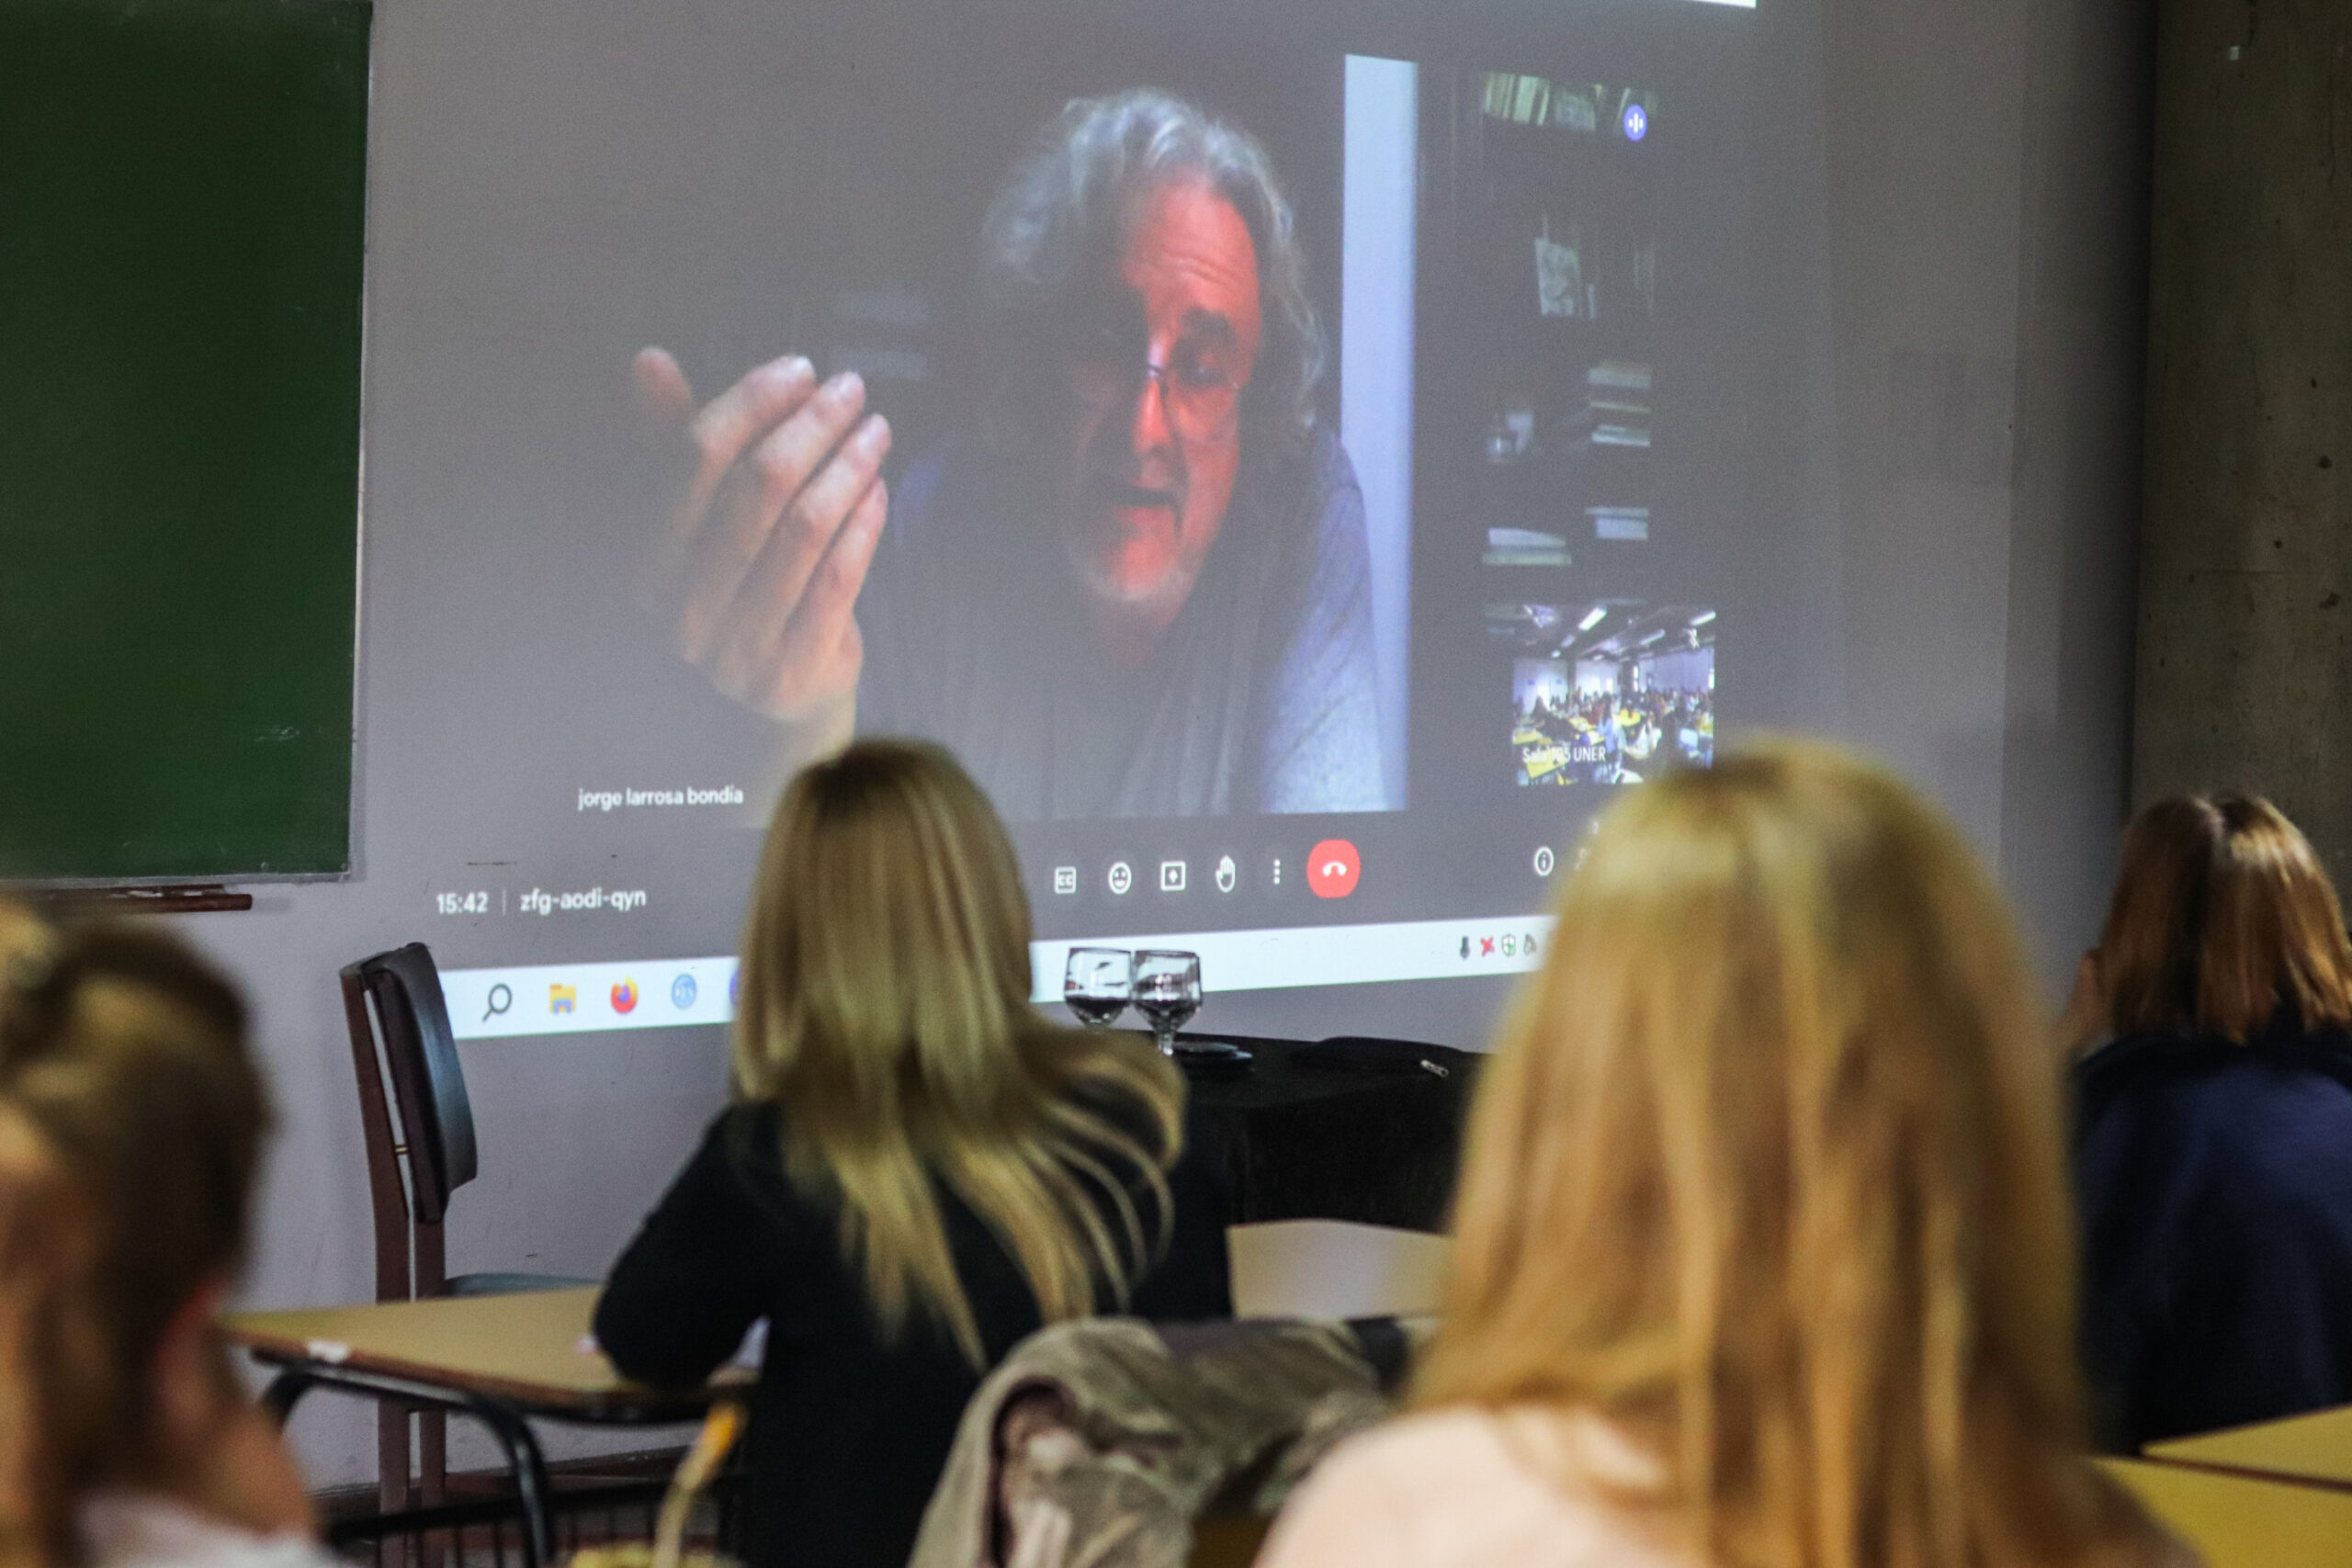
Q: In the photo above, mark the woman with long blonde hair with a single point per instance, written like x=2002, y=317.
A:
x=2213, y=1133
x=918, y=1172
x=1762, y=1254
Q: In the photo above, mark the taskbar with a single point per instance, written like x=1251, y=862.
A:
x=682, y=993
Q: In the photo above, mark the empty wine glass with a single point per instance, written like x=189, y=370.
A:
x=1097, y=983
x=1168, y=992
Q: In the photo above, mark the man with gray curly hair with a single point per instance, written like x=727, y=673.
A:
x=1137, y=584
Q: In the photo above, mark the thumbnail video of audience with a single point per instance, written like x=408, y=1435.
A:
x=1610, y=690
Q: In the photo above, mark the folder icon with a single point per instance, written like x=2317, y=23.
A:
x=562, y=999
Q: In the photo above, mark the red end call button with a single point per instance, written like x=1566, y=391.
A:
x=1332, y=868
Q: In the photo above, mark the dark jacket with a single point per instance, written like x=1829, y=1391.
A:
x=848, y=1435
x=2215, y=1185
x=1260, y=697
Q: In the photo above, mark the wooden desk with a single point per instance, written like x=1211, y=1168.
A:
x=2312, y=1448
x=2240, y=1521
x=502, y=1359
x=1539, y=763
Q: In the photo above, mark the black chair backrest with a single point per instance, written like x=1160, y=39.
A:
x=421, y=1056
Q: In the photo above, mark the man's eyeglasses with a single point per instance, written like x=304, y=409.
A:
x=1198, y=391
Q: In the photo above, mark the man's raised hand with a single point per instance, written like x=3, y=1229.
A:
x=767, y=537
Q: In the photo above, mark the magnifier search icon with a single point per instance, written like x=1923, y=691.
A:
x=501, y=999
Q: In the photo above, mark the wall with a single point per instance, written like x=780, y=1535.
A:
x=2245, y=639
x=1684, y=671
x=1983, y=161
x=1987, y=164
x=1537, y=679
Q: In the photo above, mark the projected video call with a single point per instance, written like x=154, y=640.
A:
x=1127, y=576
x=1123, y=569
x=1612, y=691
x=1202, y=437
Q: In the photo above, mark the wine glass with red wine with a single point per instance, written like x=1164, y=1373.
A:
x=1097, y=983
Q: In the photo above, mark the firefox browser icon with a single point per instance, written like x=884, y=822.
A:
x=624, y=996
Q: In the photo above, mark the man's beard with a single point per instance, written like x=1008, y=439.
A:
x=1092, y=521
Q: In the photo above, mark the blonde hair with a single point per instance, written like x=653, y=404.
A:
x=44, y=1250
x=2222, y=920
x=128, y=1094
x=884, y=1009
x=35, y=1224
x=1767, y=1172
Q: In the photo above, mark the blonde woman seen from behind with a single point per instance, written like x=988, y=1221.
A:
x=919, y=1171
x=1763, y=1251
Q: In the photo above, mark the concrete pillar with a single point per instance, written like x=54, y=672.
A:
x=2245, y=635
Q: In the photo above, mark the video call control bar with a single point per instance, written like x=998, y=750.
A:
x=672, y=993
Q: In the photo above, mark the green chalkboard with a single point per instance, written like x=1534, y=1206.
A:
x=182, y=242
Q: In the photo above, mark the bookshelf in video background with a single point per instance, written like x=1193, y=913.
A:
x=1549, y=245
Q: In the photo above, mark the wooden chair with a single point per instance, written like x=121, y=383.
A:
x=418, y=1125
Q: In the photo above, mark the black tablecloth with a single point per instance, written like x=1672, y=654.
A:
x=1298, y=1139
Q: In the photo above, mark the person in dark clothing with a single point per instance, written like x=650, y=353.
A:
x=919, y=1170
x=2213, y=1133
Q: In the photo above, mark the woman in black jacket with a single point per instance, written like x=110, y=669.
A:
x=919, y=1169
x=2213, y=1135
